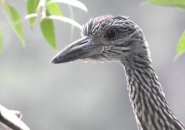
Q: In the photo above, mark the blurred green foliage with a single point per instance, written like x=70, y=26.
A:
x=48, y=31
x=46, y=11
x=177, y=4
x=31, y=8
x=54, y=8
x=14, y=19
x=181, y=45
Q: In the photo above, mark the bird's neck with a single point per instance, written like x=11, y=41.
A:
x=146, y=95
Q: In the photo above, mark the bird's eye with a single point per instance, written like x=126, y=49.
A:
x=110, y=34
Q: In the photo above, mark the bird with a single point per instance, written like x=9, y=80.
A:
x=118, y=39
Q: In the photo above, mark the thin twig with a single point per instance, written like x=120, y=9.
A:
x=11, y=120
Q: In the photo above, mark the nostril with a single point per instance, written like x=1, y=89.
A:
x=83, y=42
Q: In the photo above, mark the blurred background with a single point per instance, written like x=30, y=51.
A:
x=87, y=96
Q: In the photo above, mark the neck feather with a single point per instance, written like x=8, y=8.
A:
x=146, y=95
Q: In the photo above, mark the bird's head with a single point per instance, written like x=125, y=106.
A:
x=104, y=38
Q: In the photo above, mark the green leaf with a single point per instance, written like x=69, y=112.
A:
x=1, y=41
x=14, y=18
x=181, y=45
x=48, y=31
x=54, y=8
x=32, y=8
x=173, y=3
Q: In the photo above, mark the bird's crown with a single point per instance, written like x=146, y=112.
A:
x=99, y=24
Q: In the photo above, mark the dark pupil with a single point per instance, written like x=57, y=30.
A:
x=111, y=34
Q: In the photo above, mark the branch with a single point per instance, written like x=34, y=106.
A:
x=11, y=120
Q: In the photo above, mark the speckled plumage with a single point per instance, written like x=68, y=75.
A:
x=116, y=38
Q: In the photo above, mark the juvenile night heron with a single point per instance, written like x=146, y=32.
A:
x=116, y=38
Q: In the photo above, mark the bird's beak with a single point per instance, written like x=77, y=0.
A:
x=80, y=49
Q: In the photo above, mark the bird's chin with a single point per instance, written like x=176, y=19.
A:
x=94, y=59
x=98, y=59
